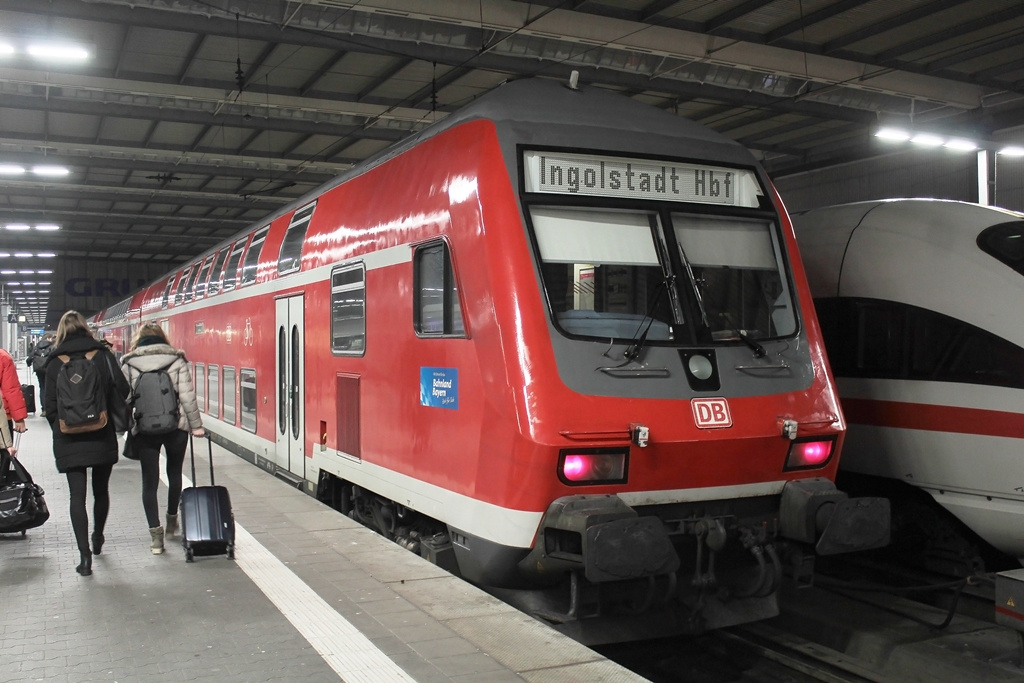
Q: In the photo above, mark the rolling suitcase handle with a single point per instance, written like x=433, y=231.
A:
x=192, y=456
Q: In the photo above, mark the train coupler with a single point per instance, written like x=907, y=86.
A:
x=813, y=511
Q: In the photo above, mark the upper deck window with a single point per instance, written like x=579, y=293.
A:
x=204, y=275
x=437, y=310
x=252, y=257
x=231, y=269
x=290, y=257
x=218, y=273
x=1006, y=243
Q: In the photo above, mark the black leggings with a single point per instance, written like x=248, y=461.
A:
x=100, y=501
x=148, y=448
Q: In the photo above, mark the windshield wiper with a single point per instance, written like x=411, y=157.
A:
x=637, y=345
x=758, y=350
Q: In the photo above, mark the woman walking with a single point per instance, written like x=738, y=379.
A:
x=152, y=351
x=76, y=449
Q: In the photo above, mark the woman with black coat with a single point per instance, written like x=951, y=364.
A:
x=77, y=453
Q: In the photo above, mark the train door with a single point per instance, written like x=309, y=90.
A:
x=290, y=395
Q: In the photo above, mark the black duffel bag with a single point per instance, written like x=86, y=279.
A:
x=22, y=505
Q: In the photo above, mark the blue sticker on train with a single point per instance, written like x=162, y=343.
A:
x=439, y=388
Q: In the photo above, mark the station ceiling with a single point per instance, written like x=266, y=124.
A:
x=191, y=119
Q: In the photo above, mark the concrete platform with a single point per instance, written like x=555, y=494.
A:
x=311, y=596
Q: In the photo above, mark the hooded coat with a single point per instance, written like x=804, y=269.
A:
x=86, y=449
x=148, y=357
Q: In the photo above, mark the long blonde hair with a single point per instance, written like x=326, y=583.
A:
x=149, y=330
x=72, y=323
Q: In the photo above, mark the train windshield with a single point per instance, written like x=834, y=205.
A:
x=683, y=278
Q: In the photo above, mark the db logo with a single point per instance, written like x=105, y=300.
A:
x=711, y=413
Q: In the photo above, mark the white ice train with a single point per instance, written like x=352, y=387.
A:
x=921, y=302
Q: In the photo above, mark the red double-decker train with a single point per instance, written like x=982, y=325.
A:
x=559, y=343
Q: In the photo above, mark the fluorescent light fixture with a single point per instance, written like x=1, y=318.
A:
x=11, y=169
x=46, y=254
x=47, y=227
x=23, y=254
x=8, y=272
x=893, y=134
x=58, y=53
x=6, y=49
x=17, y=227
x=927, y=140
x=1012, y=151
x=51, y=171
x=961, y=145
x=45, y=272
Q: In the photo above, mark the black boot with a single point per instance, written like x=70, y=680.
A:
x=97, y=542
x=85, y=567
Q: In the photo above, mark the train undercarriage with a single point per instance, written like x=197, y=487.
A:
x=602, y=572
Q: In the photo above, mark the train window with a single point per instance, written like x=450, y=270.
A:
x=290, y=257
x=189, y=290
x=247, y=394
x=348, y=310
x=252, y=257
x=886, y=339
x=231, y=269
x=217, y=273
x=437, y=310
x=229, y=394
x=167, y=293
x=201, y=386
x=737, y=268
x=213, y=381
x=602, y=273
x=1006, y=243
x=204, y=275
x=179, y=291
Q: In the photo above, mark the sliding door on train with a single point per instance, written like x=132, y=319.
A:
x=290, y=408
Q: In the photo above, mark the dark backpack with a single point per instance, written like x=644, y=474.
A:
x=81, y=396
x=155, y=402
x=39, y=358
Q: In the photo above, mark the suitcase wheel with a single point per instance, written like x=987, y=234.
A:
x=189, y=555
x=231, y=552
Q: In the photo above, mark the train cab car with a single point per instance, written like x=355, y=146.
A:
x=558, y=342
x=918, y=300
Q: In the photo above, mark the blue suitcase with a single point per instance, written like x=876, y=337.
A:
x=207, y=523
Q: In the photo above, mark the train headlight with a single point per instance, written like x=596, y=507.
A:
x=582, y=466
x=810, y=453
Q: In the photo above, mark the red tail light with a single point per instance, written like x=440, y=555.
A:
x=810, y=453
x=577, y=467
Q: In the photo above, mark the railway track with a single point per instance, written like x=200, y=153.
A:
x=840, y=632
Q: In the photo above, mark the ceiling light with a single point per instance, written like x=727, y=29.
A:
x=23, y=254
x=961, y=145
x=47, y=227
x=894, y=134
x=6, y=50
x=17, y=227
x=46, y=254
x=50, y=171
x=11, y=169
x=56, y=52
x=927, y=140
x=1012, y=151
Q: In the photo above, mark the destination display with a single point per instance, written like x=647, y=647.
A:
x=610, y=176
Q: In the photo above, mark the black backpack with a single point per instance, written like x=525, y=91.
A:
x=155, y=402
x=81, y=395
x=39, y=357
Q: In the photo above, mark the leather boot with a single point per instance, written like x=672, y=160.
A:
x=157, y=534
x=85, y=566
x=97, y=542
x=171, y=530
